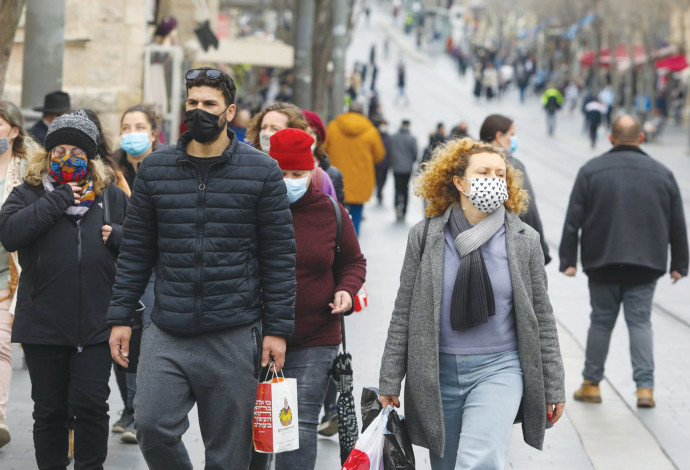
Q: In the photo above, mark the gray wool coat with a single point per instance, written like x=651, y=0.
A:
x=412, y=347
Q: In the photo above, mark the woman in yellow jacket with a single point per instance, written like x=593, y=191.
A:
x=354, y=145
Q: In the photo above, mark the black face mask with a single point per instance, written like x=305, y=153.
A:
x=203, y=125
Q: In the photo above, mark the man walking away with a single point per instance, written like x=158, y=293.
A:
x=354, y=146
x=551, y=100
x=384, y=165
x=212, y=215
x=594, y=110
x=625, y=210
x=403, y=149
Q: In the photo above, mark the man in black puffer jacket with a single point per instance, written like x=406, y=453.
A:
x=213, y=217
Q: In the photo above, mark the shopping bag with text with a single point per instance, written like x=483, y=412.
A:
x=275, y=422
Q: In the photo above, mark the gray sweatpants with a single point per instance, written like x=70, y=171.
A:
x=219, y=372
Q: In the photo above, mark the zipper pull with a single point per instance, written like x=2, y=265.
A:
x=80, y=349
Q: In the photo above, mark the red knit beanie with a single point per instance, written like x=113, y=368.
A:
x=315, y=123
x=291, y=148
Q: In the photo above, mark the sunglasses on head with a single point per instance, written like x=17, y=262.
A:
x=212, y=74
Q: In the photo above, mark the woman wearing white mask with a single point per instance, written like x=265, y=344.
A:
x=279, y=116
x=15, y=148
x=328, y=278
x=473, y=329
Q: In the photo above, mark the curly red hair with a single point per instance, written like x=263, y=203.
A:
x=435, y=183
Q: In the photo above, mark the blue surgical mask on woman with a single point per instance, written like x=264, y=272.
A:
x=296, y=188
x=513, y=144
x=135, y=143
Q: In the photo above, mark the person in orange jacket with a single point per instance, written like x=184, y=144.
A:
x=355, y=146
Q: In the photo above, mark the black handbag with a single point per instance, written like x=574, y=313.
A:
x=138, y=317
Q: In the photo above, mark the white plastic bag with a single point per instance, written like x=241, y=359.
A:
x=368, y=452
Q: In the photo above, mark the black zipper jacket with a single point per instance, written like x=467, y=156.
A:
x=67, y=270
x=223, y=246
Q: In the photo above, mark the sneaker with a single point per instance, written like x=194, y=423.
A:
x=126, y=421
x=329, y=425
x=129, y=436
x=5, y=436
x=589, y=392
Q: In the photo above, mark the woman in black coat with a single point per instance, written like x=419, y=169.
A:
x=55, y=220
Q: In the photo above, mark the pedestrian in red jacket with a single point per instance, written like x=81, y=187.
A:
x=327, y=282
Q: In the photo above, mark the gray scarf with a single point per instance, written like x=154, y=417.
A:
x=473, y=297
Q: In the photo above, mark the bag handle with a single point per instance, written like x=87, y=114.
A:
x=275, y=375
x=338, y=223
x=338, y=237
x=106, y=209
x=424, y=235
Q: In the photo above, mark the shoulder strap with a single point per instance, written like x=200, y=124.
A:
x=424, y=235
x=106, y=208
x=338, y=222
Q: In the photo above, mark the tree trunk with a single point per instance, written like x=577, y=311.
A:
x=321, y=56
x=10, y=12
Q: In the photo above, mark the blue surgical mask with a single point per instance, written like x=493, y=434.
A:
x=513, y=144
x=135, y=143
x=296, y=188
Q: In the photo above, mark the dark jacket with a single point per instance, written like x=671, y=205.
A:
x=67, y=270
x=531, y=217
x=403, y=150
x=336, y=178
x=321, y=272
x=435, y=140
x=39, y=131
x=223, y=248
x=629, y=209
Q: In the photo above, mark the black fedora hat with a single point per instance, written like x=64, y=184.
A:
x=56, y=102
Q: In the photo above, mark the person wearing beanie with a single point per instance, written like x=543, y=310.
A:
x=318, y=131
x=56, y=220
x=327, y=281
x=278, y=116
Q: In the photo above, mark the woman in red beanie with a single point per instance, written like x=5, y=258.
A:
x=318, y=131
x=279, y=116
x=327, y=282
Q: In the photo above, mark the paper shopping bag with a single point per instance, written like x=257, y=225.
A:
x=275, y=423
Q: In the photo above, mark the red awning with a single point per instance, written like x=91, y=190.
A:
x=622, y=57
x=674, y=63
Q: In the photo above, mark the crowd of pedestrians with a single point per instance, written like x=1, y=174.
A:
x=236, y=250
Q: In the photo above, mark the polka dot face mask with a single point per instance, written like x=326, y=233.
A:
x=487, y=194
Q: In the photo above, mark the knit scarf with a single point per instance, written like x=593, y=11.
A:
x=13, y=178
x=473, y=297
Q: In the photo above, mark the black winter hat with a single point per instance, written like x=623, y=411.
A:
x=73, y=129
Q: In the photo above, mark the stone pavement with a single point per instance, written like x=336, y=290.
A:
x=614, y=435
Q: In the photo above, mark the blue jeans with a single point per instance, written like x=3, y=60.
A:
x=355, y=211
x=606, y=302
x=481, y=395
x=310, y=367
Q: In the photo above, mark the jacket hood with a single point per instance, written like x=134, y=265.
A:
x=353, y=124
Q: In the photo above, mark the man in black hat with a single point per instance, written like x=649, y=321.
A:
x=54, y=104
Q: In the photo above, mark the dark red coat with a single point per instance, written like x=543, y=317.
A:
x=320, y=271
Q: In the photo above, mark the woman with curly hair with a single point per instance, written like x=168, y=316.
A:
x=56, y=222
x=473, y=329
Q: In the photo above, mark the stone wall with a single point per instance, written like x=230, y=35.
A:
x=103, y=65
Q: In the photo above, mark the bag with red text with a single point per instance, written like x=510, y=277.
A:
x=275, y=423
